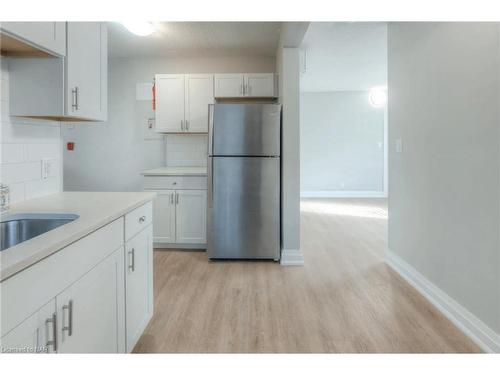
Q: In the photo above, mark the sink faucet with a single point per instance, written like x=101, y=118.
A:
x=4, y=197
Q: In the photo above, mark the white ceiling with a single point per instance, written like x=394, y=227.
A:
x=197, y=39
x=344, y=56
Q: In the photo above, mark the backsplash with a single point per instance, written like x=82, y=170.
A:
x=24, y=143
x=186, y=150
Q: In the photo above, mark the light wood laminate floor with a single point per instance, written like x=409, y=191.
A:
x=344, y=300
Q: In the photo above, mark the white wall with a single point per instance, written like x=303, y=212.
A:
x=288, y=72
x=110, y=156
x=23, y=145
x=444, y=217
x=344, y=56
x=341, y=145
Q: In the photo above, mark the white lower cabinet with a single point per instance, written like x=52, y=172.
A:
x=190, y=216
x=37, y=334
x=139, y=284
x=164, y=216
x=93, y=296
x=92, y=310
x=180, y=217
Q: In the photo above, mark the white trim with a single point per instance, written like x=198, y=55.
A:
x=291, y=257
x=467, y=322
x=162, y=245
x=386, y=151
x=342, y=194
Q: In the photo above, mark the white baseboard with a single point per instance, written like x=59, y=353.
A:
x=188, y=246
x=291, y=257
x=342, y=194
x=467, y=322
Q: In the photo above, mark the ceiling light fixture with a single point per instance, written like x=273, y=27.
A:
x=378, y=97
x=141, y=28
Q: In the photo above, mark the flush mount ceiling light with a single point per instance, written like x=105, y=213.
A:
x=141, y=28
x=378, y=97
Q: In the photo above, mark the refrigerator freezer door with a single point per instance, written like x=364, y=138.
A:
x=244, y=208
x=245, y=130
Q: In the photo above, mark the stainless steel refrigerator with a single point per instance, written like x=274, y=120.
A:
x=244, y=181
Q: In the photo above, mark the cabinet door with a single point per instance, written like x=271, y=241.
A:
x=86, y=67
x=164, y=216
x=199, y=94
x=91, y=311
x=169, y=103
x=139, y=284
x=259, y=85
x=34, y=335
x=228, y=85
x=191, y=216
x=50, y=36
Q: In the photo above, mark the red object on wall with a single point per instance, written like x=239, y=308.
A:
x=70, y=146
x=154, y=96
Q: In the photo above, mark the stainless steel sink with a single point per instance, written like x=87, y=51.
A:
x=18, y=228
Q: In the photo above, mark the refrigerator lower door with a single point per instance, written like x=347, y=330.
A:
x=244, y=208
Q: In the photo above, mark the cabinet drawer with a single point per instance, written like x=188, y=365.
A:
x=175, y=182
x=138, y=219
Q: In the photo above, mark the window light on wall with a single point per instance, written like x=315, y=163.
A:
x=378, y=97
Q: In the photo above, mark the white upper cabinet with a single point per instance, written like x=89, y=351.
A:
x=47, y=37
x=259, y=85
x=87, y=70
x=229, y=85
x=169, y=103
x=199, y=94
x=182, y=102
x=74, y=88
x=245, y=85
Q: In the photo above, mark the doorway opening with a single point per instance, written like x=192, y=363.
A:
x=343, y=137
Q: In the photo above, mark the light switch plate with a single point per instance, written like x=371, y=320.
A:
x=399, y=145
x=49, y=168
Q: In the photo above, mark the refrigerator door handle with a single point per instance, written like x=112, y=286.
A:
x=210, y=193
x=210, y=129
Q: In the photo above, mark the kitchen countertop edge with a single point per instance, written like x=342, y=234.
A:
x=15, y=268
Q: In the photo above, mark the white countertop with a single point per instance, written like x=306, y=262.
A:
x=95, y=209
x=176, y=171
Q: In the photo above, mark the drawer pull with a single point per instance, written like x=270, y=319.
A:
x=132, y=264
x=142, y=219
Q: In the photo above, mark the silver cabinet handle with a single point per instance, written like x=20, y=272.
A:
x=182, y=125
x=132, y=264
x=187, y=125
x=52, y=342
x=142, y=219
x=69, y=327
x=171, y=198
x=74, y=98
x=176, y=198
